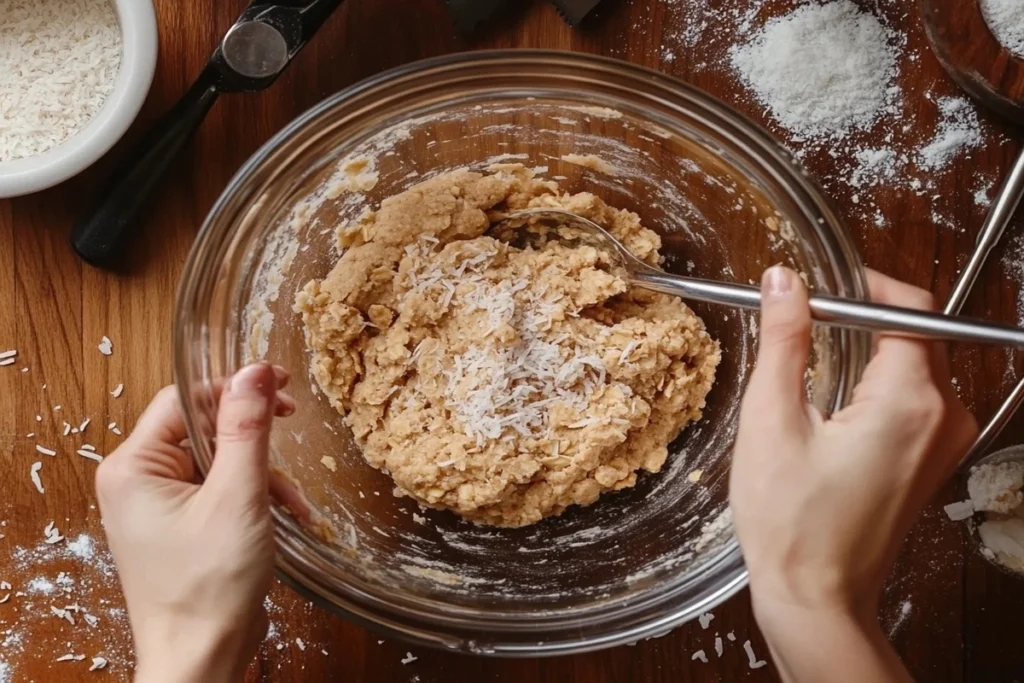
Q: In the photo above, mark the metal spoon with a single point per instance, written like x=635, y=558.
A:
x=825, y=309
x=985, y=69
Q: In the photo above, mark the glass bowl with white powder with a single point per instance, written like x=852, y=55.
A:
x=727, y=201
x=76, y=73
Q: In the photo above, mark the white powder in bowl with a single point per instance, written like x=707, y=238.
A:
x=1006, y=19
x=823, y=69
x=59, y=59
x=1004, y=538
x=997, y=488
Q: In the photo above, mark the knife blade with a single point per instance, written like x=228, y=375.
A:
x=574, y=11
x=469, y=14
x=255, y=50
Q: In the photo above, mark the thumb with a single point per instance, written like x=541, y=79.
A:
x=244, y=418
x=776, y=394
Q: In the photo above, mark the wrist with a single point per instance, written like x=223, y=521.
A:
x=814, y=594
x=173, y=651
x=792, y=616
x=827, y=642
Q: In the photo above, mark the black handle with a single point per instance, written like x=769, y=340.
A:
x=98, y=237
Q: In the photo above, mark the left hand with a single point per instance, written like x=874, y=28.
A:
x=196, y=560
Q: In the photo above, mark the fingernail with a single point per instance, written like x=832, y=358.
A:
x=252, y=379
x=778, y=281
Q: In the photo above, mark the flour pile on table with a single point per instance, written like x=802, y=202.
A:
x=1006, y=19
x=832, y=79
x=822, y=70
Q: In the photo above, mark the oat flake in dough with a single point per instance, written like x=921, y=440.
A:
x=502, y=384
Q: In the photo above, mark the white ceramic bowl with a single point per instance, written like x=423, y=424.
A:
x=138, y=62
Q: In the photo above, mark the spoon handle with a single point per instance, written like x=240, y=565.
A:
x=840, y=312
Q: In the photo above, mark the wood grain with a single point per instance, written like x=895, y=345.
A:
x=963, y=614
x=965, y=45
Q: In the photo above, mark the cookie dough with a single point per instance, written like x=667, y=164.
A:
x=503, y=384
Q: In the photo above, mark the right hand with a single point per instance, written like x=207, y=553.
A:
x=822, y=505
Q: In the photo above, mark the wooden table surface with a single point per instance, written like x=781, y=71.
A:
x=951, y=616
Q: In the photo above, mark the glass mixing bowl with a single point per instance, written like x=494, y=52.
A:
x=728, y=202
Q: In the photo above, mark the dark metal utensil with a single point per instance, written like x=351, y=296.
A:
x=974, y=59
x=469, y=14
x=573, y=11
x=254, y=52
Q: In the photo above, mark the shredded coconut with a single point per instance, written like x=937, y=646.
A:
x=106, y=347
x=705, y=620
x=821, y=69
x=59, y=59
x=34, y=474
x=699, y=655
x=91, y=455
x=959, y=510
x=752, y=660
x=1006, y=19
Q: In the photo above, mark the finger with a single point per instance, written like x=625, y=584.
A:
x=162, y=421
x=281, y=376
x=152, y=447
x=285, y=405
x=244, y=418
x=897, y=357
x=776, y=394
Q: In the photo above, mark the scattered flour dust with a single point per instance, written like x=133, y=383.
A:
x=958, y=130
x=66, y=583
x=829, y=78
x=1013, y=265
x=1006, y=19
x=823, y=69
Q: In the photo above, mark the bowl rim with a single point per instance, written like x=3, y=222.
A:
x=139, y=46
x=400, y=620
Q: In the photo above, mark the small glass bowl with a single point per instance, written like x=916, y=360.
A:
x=728, y=202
